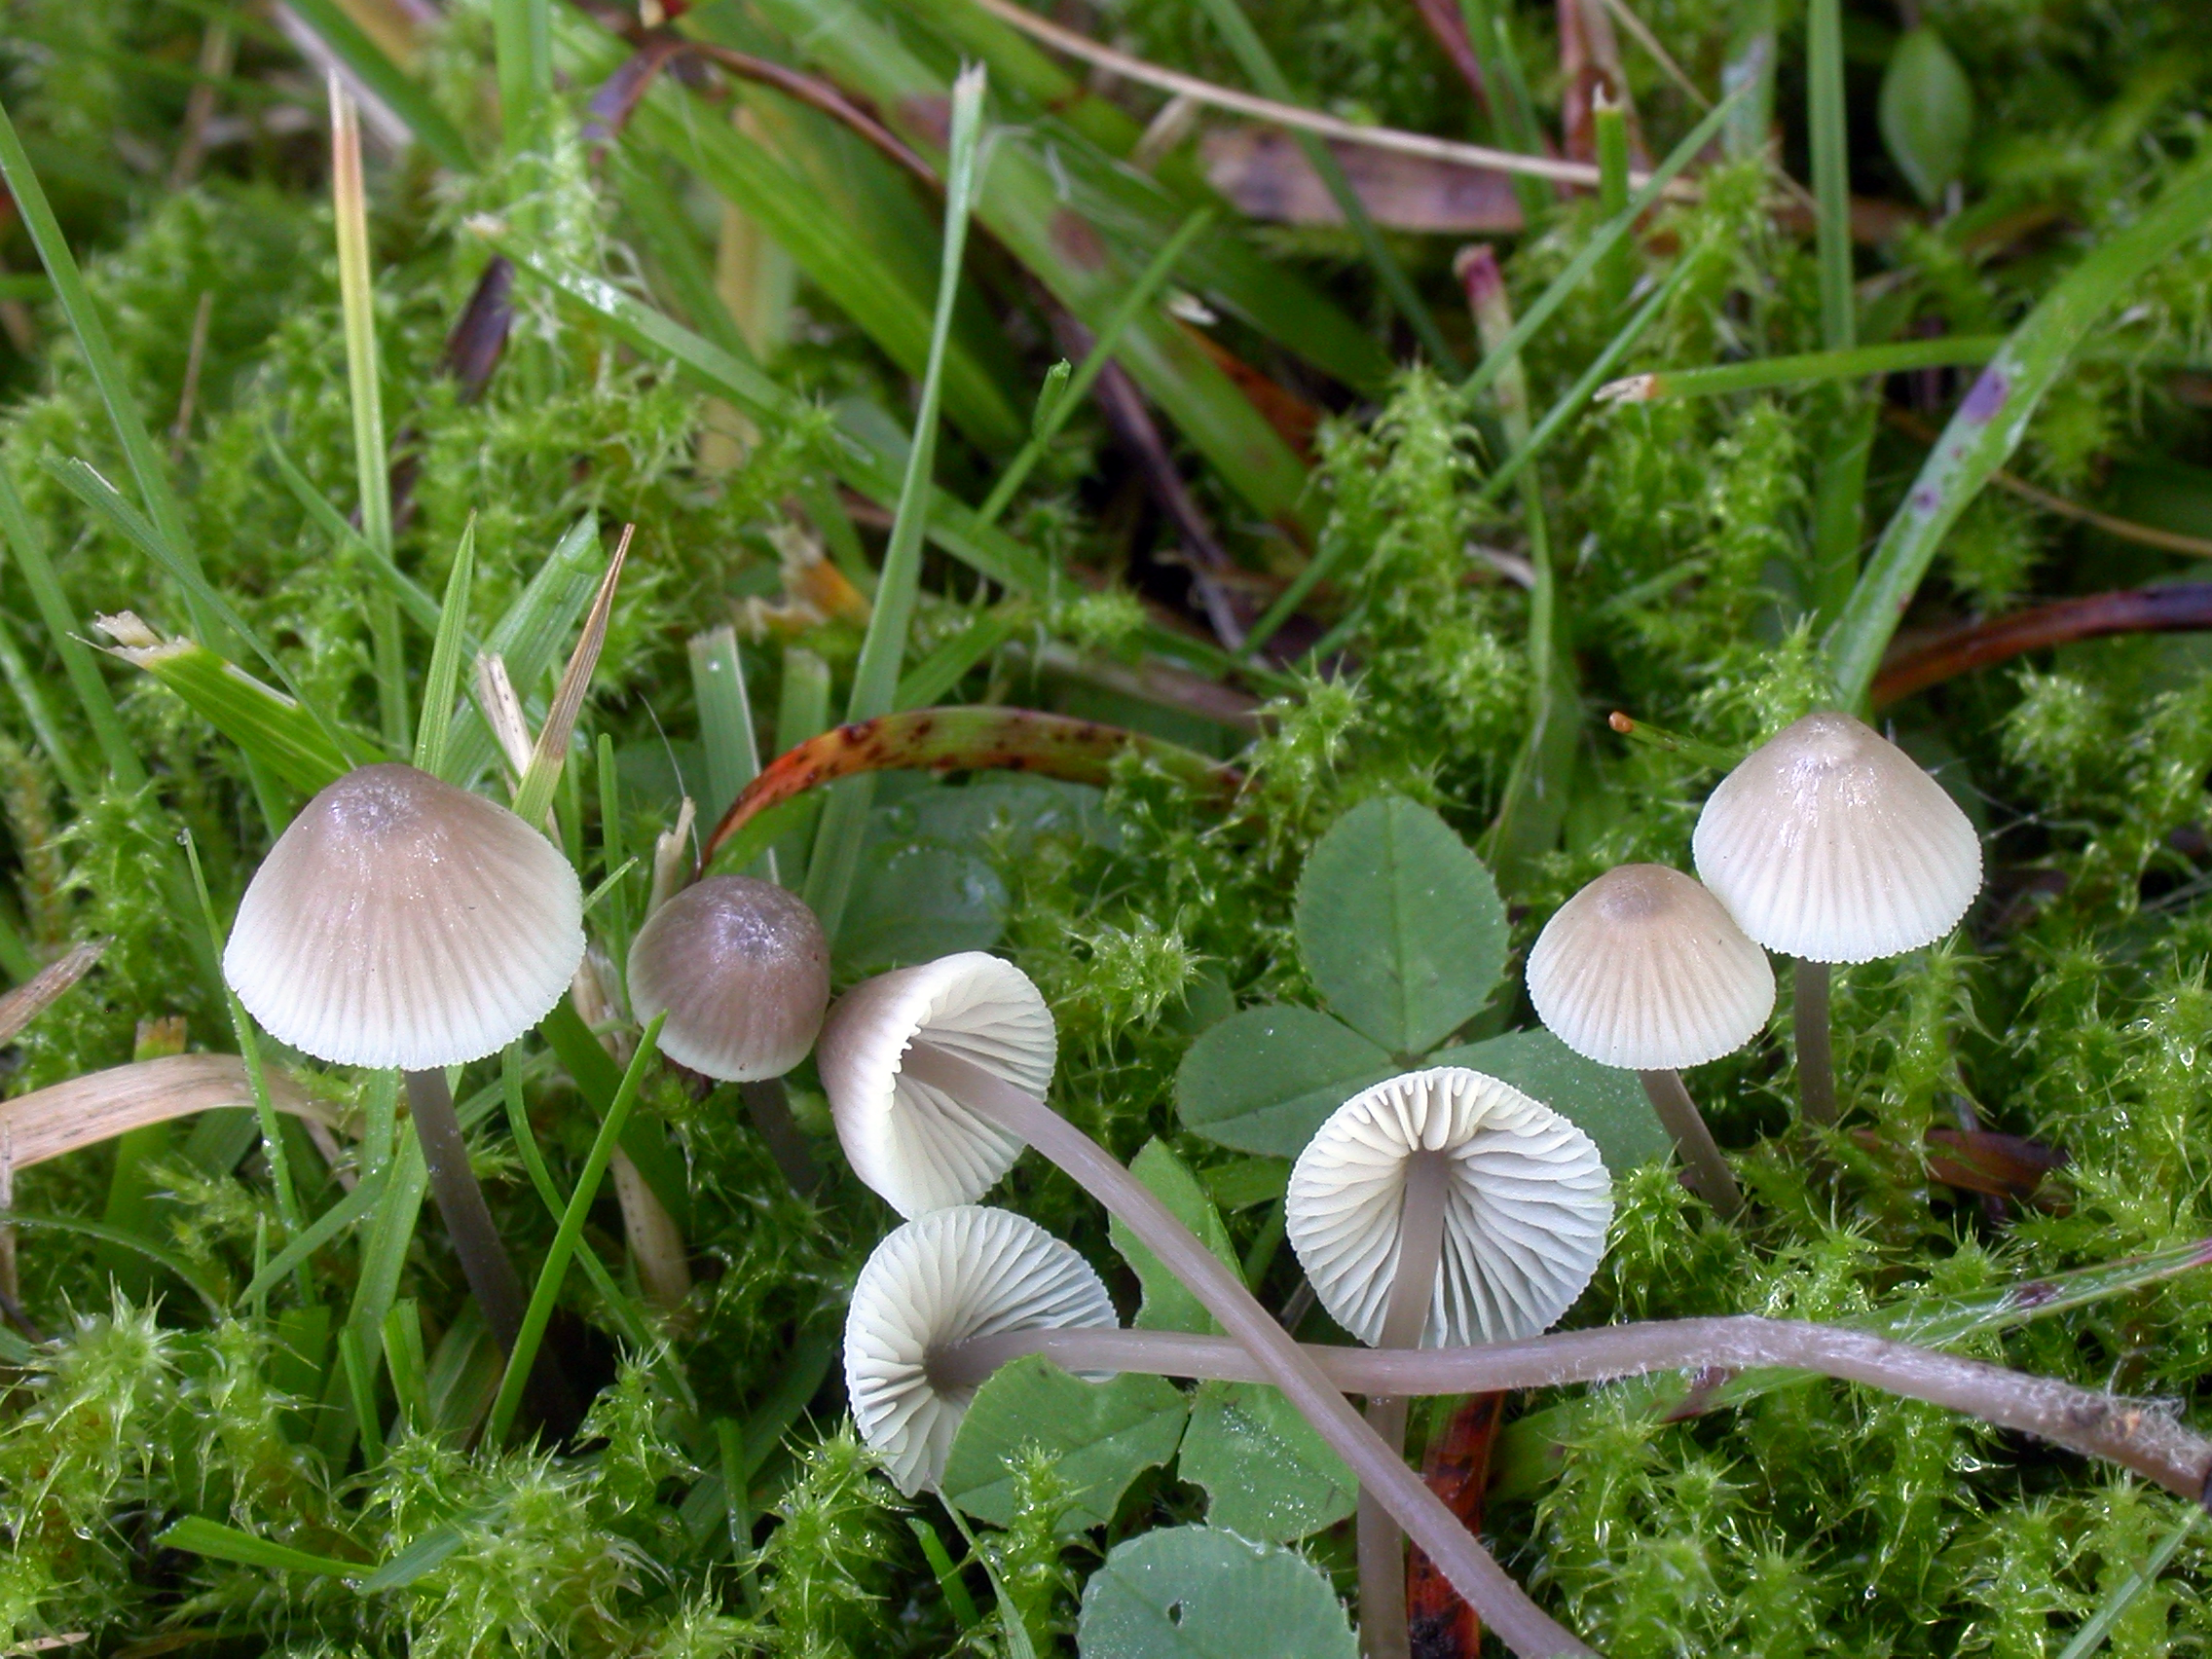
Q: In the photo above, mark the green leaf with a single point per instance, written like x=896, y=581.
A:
x=1605, y=1103
x=1168, y=1304
x=212, y=1538
x=1267, y=1474
x=1926, y=113
x=1400, y=925
x=915, y=901
x=1103, y=1434
x=1264, y=1079
x=1201, y=1592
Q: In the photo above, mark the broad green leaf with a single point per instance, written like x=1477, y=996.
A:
x=1926, y=113
x=1102, y=1435
x=1267, y=1474
x=1202, y=1593
x=916, y=900
x=1264, y=1079
x=1168, y=1304
x=1243, y=1182
x=1605, y=1103
x=1400, y=925
x=261, y=721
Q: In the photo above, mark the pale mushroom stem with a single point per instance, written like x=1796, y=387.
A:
x=1382, y=1546
x=1503, y=1605
x=484, y=1260
x=1816, y=1063
x=2137, y=1436
x=1708, y=1174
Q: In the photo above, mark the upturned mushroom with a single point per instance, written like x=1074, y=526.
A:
x=1439, y=1208
x=1830, y=844
x=742, y=968
x=1646, y=971
x=935, y=1074
x=399, y=921
x=951, y=1276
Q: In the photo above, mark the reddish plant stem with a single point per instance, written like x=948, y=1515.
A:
x=2180, y=608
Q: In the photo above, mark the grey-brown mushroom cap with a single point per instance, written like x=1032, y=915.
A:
x=946, y=1277
x=1526, y=1206
x=1829, y=843
x=917, y=1146
x=742, y=968
x=1645, y=970
x=399, y=921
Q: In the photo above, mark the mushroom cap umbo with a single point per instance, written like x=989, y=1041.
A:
x=1525, y=1216
x=742, y=968
x=399, y=921
x=919, y=1148
x=1644, y=969
x=942, y=1278
x=1830, y=844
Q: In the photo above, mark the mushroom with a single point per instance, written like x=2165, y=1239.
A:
x=1646, y=971
x=951, y=1276
x=743, y=971
x=1830, y=844
x=399, y=921
x=934, y=1075
x=1439, y=1208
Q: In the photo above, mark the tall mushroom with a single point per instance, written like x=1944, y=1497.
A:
x=934, y=1075
x=1830, y=844
x=951, y=1276
x=1644, y=970
x=399, y=921
x=1439, y=1208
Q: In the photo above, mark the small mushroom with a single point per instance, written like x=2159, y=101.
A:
x=915, y=1142
x=933, y=1075
x=1439, y=1208
x=399, y=921
x=1645, y=970
x=743, y=971
x=1828, y=844
x=951, y=1276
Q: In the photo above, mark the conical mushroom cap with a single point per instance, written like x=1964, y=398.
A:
x=914, y=1144
x=399, y=921
x=1642, y=969
x=1525, y=1208
x=743, y=971
x=951, y=1275
x=1828, y=843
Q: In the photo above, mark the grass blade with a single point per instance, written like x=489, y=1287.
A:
x=325, y=1227
x=1989, y=423
x=1831, y=171
x=61, y=631
x=535, y=793
x=1593, y=251
x=46, y=731
x=400, y=91
x=1805, y=368
x=1260, y=66
x=989, y=552
x=198, y=1535
x=522, y=32
x=143, y=458
x=413, y=598
x=876, y=677
x=725, y=716
x=557, y=1256
x=2091, y=1635
x=1077, y=386
x=372, y=469
x=441, y=688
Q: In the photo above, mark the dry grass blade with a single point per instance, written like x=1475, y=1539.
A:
x=535, y=792
x=1303, y=120
x=101, y=1105
x=32, y=998
x=504, y=712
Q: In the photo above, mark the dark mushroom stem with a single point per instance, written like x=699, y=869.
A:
x=1703, y=1166
x=1274, y=1356
x=1382, y=1546
x=2134, y=1434
x=484, y=1260
x=1816, y=1064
